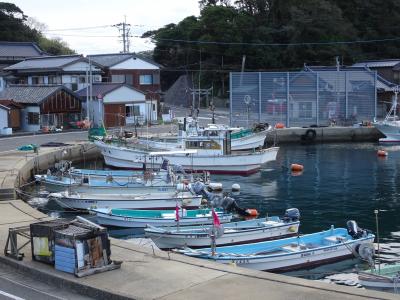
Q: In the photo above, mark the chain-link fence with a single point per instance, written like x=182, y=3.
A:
x=302, y=98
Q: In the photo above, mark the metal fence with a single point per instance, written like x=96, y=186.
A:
x=302, y=98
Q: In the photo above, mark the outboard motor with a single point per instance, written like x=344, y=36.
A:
x=353, y=230
x=291, y=215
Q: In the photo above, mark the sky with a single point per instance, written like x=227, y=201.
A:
x=143, y=15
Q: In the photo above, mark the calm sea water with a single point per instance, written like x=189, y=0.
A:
x=340, y=182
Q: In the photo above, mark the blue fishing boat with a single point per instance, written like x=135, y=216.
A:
x=142, y=218
x=291, y=253
x=232, y=233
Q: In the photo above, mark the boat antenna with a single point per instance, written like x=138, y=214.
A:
x=376, y=211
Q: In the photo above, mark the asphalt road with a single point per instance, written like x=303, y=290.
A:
x=13, y=142
x=17, y=286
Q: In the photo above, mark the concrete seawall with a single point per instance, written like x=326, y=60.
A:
x=18, y=167
x=324, y=135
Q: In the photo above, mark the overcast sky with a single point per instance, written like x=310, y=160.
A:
x=147, y=14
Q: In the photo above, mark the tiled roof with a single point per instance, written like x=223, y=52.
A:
x=103, y=89
x=109, y=60
x=19, y=49
x=47, y=62
x=30, y=94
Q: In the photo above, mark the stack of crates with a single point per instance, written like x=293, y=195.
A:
x=42, y=239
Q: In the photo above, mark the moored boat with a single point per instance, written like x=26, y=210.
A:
x=390, y=126
x=142, y=218
x=382, y=277
x=233, y=233
x=290, y=253
x=164, y=200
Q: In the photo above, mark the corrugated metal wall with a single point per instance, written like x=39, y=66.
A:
x=302, y=98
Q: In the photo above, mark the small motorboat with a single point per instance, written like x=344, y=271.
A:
x=382, y=277
x=292, y=253
x=233, y=233
x=142, y=218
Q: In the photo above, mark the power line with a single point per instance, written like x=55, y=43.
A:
x=78, y=28
x=280, y=44
x=83, y=35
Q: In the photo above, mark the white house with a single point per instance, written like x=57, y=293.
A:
x=68, y=70
x=117, y=104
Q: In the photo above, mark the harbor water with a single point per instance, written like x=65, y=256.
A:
x=340, y=182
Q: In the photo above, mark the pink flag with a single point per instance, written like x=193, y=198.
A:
x=216, y=221
x=177, y=212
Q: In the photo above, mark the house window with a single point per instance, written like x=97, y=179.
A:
x=54, y=79
x=118, y=78
x=33, y=118
x=37, y=80
x=132, y=110
x=146, y=79
x=305, y=110
x=74, y=83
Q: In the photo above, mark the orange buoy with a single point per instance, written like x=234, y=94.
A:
x=297, y=173
x=382, y=153
x=252, y=212
x=296, y=167
x=279, y=125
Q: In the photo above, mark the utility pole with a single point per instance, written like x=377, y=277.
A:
x=124, y=29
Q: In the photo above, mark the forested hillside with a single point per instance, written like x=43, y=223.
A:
x=15, y=26
x=277, y=35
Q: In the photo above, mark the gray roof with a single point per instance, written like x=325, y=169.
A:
x=19, y=50
x=377, y=63
x=31, y=94
x=46, y=62
x=109, y=60
x=103, y=89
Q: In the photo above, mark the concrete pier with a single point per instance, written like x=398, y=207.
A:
x=324, y=135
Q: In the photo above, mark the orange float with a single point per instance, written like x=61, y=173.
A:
x=279, y=125
x=382, y=153
x=252, y=212
x=296, y=167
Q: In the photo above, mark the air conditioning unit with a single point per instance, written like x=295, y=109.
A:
x=97, y=78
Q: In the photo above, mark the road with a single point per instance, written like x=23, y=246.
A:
x=17, y=286
x=205, y=117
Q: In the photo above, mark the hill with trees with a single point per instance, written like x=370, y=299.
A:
x=276, y=35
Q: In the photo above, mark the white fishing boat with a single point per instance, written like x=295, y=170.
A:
x=390, y=126
x=291, y=253
x=142, y=218
x=210, y=152
x=382, y=277
x=164, y=200
x=241, y=138
x=233, y=233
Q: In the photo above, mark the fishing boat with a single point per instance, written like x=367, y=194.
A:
x=164, y=200
x=142, y=218
x=210, y=152
x=233, y=233
x=241, y=138
x=390, y=126
x=291, y=253
x=383, y=277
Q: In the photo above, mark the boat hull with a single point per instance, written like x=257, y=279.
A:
x=133, y=222
x=241, y=163
x=390, y=129
x=200, y=240
x=134, y=202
